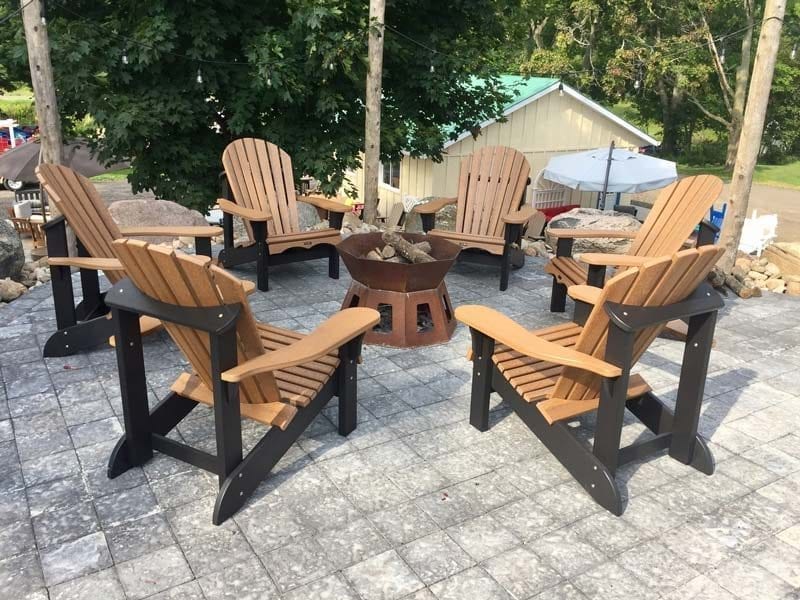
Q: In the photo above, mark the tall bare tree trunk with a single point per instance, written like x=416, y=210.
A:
x=372, y=126
x=44, y=89
x=740, y=87
x=752, y=129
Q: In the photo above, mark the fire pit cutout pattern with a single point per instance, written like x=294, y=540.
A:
x=412, y=298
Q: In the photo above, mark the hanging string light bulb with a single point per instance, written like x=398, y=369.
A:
x=560, y=88
x=722, y=56
x=125, y=57
x=793, y=53
x=433, y=69
x=636, y=84
x=199, y=76
x=43, y=13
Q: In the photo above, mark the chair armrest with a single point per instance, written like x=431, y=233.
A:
x=521, y=216
x=330, y=335
x=248, y=214
x=592, y=233
x=613, y=260
x=585, y=293
x=433, y=206
x=325, y=203
x=506, y=331
x=86, y=262
x=200, y=231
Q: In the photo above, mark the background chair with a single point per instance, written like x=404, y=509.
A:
x=261, y=183
x=490, y=215
x=81, y=207
x=675, y=214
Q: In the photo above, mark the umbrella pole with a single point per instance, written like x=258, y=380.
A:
x=602, y=203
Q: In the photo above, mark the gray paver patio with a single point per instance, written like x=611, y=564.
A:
x=415, y=504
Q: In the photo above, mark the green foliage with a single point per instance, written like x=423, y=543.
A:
x=22, y=111
x=298, y=80
x=603, y=48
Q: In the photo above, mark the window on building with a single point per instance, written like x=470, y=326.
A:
x=390, y=174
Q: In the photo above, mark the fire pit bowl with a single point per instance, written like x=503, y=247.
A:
x=397, y=277
x=412, y=299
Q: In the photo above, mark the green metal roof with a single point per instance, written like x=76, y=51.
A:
x=523, y=88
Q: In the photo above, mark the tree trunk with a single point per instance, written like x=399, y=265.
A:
x=740, y=89
x=670, y=98
x=44, y=89
x=752, y=129
x=372, y=126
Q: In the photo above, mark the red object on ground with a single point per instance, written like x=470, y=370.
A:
x=549, y=213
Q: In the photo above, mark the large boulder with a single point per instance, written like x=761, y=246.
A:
x=12, y=256
x=143, y=213
x=445, y=218
x=307, y=216
x=592, y=218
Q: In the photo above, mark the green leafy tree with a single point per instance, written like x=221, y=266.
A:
x=196, y=75
x=690, y=61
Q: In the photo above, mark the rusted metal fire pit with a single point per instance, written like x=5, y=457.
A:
x=412, y=298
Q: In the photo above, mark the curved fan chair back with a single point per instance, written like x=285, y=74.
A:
x=75, y=197
x=675, y=214
x=658, y=282
x=261, y=178
x=192, y=281
x=490, y=185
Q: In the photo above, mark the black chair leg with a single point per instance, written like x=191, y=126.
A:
x=558, y=297
x=482, y=351
x=347, y=388
x=505, y=267
x=262, y=255
x=333, y=262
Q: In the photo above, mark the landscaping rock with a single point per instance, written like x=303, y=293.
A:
x=307, y=216
x=773, y=283
x=534, y=248
x=592, y=218
x=141, y=213
x=445, y=218
x=772, y=270
x=743, y=263
x=351, y=224
x=10, y=290
x=12, y=256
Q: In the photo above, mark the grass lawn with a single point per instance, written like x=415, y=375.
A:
x=120, y=175
x=787, y=175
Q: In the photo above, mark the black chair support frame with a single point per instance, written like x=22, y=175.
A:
x=595, y=467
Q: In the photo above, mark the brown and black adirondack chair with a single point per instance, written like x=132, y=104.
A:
x=239, y=366
x=551, y=376
x=81, y=207
x=676, y=213
x=490, y=209
x=260, y=182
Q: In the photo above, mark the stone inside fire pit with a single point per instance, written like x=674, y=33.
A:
x=412, y=297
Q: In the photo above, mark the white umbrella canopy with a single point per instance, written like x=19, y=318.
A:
x=630, y=172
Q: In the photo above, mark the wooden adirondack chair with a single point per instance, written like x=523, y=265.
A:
x=553, y=375
x=81, y=207
x=239, y=366
x=261, y=181
x=674, y=216
x=490, y=215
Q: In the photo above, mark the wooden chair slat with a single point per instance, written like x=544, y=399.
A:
x=492, y=188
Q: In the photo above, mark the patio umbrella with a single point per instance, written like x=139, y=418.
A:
x=625, y=172
x=20, y=163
